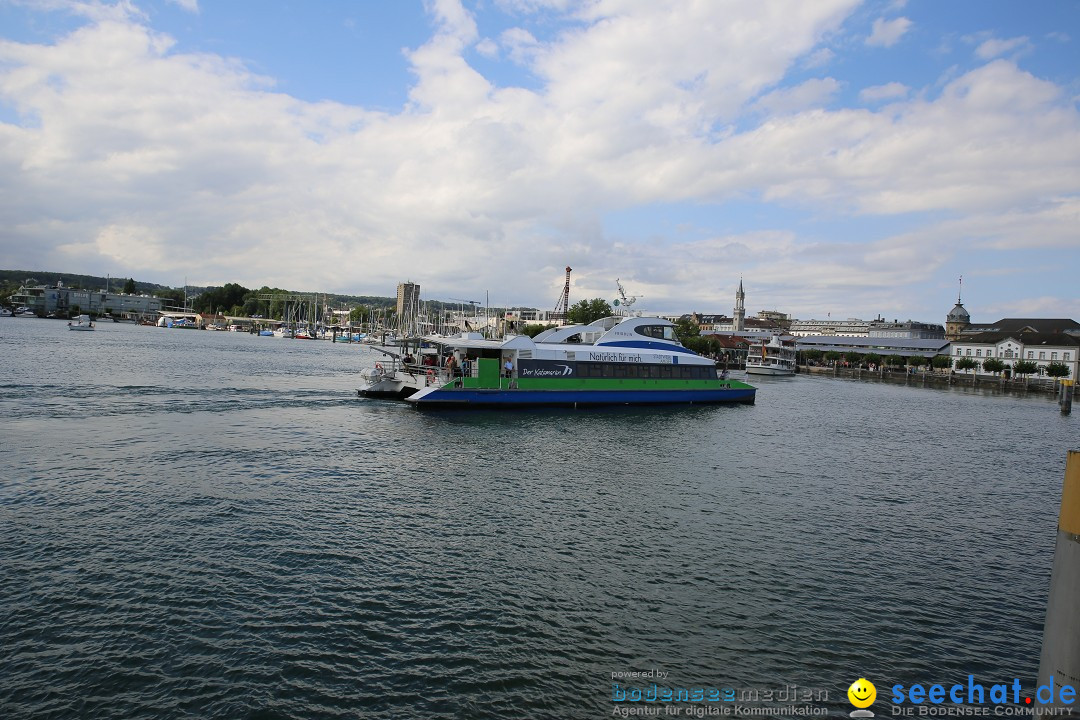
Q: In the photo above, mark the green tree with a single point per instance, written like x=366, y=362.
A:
x=832, y=356
x=173, y=297
x=993, y=365
x=1057, y=370
x=220, y=299
x=587, y=311
x=707, y=345
x=129, y=287
x=533, y=330
x=872, y=359
x=686, y=330
x=1025, y=367
x=917, y=361
x=853, y=357
x=966, y=363
x=941, y=362
x=897, y=360
x=812, y=355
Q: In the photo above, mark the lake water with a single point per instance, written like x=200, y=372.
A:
x=198, y=524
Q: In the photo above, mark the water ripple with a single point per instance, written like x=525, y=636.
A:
x=224, y=529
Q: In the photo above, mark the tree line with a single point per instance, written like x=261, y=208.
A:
x=941, y=362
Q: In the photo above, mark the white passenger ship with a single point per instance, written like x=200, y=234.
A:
x=772, y=356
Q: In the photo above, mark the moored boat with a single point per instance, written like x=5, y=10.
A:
x=614, y=361
x=772, y=356
x=82, y=322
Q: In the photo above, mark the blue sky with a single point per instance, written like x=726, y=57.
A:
x=841, y=157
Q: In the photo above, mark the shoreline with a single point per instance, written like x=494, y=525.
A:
x=1042, y=386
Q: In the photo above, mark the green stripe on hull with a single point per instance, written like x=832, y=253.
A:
x=602, y=384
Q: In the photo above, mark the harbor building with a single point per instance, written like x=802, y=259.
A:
x=783, y=320
x=1040, y=340
x=721, y=324
x=851, y=327
x=1018, y=325
x=60, y=301
x=1042, y=348
x=908, y=329
x=876, y=328
x=531, y=315
x=408, y=299
x=905, y=347
x=957, y=319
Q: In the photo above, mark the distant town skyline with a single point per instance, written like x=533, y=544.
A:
x=843, y=157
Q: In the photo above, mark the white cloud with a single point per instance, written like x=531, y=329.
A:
x=996, y=137
x=488, y=48
x=995, y=47
x=189, y=5
x=810, y=94
x=819, y=58
x=887, y=33
x=520, y=45
x=888, y=91
x=138, y=158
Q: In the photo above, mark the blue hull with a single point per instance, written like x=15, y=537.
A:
x=461, y=397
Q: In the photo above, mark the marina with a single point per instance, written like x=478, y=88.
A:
x=492, y=564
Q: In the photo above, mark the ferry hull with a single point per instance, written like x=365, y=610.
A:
x=478, y=397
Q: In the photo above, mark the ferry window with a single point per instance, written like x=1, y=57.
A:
x=665, y=371
x=684, y=372
x=620, y=371
x=608, y=370
x=661, y=332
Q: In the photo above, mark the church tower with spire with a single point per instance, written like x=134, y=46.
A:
x=957, y=319
x=739, y=315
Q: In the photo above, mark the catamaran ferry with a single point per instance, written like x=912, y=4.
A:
x=613, y=361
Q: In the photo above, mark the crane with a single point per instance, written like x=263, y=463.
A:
x=471, y=302
x=474, y=303
x=562, y=306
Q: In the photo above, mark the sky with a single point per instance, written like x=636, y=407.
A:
x=841, y=158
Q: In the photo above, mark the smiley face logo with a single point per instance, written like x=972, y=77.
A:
x=862, y=693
